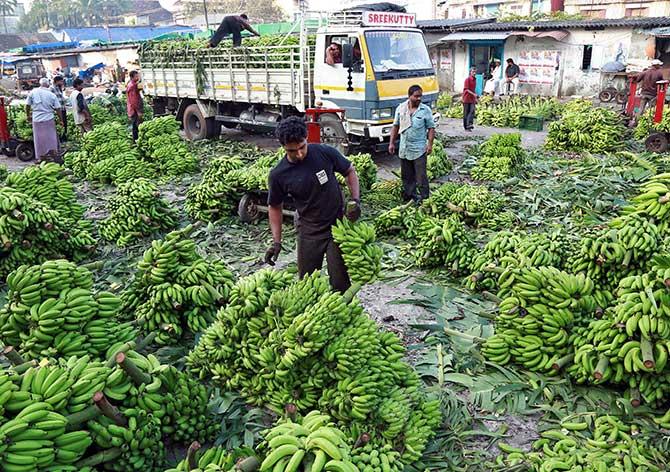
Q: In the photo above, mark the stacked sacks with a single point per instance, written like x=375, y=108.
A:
x=175, y=289
x=136, y=211
x=281, y=342
x=52, y=310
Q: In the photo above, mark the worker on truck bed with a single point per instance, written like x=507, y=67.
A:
x=307, y=174
x=232, y=25
x=648, y=89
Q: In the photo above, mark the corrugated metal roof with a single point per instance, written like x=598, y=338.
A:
x=453, y=23
x=123, y=33
x=637, y=22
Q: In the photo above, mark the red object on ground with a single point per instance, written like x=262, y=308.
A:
x=630, y=106
x=313, y=124
x=4, y=125
x=661, y=89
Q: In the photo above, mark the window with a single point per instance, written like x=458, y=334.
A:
x=394, y=51
x=586, y=57
x=637, y=11
x=335, y=52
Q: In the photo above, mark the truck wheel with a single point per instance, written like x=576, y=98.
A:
x=332, y=133
x=657, y=142
x=247, y=209
x=25, y=152
x=197, y=127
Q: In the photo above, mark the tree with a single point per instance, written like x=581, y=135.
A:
x=7, y=7
x=259, y=11
x=58, y=14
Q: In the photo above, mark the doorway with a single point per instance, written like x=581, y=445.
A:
x=481, y=56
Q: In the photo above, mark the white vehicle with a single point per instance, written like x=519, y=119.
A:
x=382, y=55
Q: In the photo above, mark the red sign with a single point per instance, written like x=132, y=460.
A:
x=373, y=18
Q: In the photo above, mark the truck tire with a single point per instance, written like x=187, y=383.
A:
x=197, y=127
x=333, y=133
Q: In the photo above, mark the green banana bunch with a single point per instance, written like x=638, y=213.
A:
x=175, y=289
x=52, y=311
x=3, y=172
x=438, y=164
x=360, y=253
x=586, y=128
x=385, y=193
x=370, y=458
x=499, y=158
x=171, y=156
x=214, y=459
x=165, y=125
x=602, y=444
x=135, y=211
x=443, y=243
x=653, y=198
x=645, y=123
x=475, y=203
x=507, y=113
x=365, y=168
x=485, y=266
x=314, y=443
x=405, y=219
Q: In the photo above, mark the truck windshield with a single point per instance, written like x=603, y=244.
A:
x=397, y=50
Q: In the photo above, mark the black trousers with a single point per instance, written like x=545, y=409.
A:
x=468, y=115
x=310, y=259
x=228, y=26
x=63, y=113
x=414, y=176
x=135, y=121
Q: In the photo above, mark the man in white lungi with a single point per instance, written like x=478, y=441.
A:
x=41, y=107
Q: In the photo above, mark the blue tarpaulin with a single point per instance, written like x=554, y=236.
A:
x=115, y=34
x=49, y=46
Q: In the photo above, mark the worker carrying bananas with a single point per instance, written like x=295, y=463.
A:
x=234, y=25
x=307, y=175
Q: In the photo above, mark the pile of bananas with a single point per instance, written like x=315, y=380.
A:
x=443, y=243
x=586, y=128
x=438, y=164
x=646, y=126
x=52, y=311
x=360, y=253
x=31, y=232
x=281, y=343
x=313, y=444
x=600, y=444
x=475, y=203
x=224, y=181
x=136, y=211
x=653, y=199
x=171, y=156
x=538, y=309
x=365, y=168
x=623, y=248
x=385, y=193
x=214, y=459
x=3, y=172
x=499, y=158
x=175, y=289
x=506, y=113
x=496, y=252
x=371, y=459
x=165, y=125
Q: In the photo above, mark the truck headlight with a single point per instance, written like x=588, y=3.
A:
x=381, y=113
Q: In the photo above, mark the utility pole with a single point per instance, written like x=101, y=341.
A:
x=204, y=7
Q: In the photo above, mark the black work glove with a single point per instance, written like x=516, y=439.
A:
x=272, y=253
x=353, y=210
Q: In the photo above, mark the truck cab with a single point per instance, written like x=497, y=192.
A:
x=381, y=54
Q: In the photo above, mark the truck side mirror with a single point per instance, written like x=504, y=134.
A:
x=347, y=55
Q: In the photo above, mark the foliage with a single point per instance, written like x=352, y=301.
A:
x=56, y=14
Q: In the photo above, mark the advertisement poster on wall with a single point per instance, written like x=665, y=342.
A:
x=538, y=67
x=445, y=59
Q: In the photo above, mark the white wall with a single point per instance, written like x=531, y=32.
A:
x=569, y=79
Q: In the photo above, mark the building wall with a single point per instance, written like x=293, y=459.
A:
x=617, y=8
x=455, y=9
x=568, y=78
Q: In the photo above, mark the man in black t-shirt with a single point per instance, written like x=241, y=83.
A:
x=232, y=25
x=512, y=72
x=307, y=175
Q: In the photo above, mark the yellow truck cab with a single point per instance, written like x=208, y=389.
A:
x=382, y=55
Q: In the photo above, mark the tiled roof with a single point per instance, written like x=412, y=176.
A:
x=631, y=22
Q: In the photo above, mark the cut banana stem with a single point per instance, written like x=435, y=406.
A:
x=563, y=361
x=90, y=413
x=100, y=458
x=635, y=398
x=490, y=297
x=109, y=410
x=111, y=362
x=93, y=265
x=191, y=459
x=647, y=349
x=21, y=368
x=602, y=365
x=132, y=370
x=458, y=334
x=362, y=440
x=250, y=464
x=351, y=292
x=14, y=357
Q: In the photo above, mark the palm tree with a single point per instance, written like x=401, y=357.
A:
x=7, y=7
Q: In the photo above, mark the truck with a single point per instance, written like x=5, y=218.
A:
x=27, y=71
x=382, y=55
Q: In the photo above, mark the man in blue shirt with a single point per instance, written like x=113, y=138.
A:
x=414, y=122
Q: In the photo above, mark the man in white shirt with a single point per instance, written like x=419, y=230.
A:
x=40, y=109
